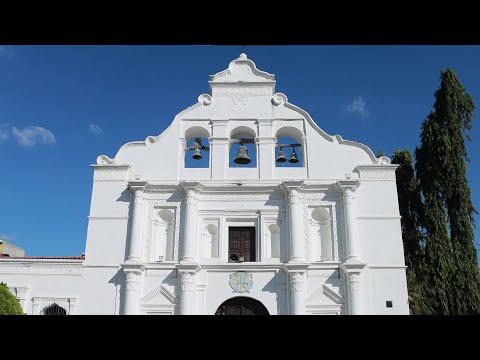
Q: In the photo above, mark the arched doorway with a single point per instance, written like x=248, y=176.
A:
x=242, y=305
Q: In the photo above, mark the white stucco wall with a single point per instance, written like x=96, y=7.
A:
x=364, y=265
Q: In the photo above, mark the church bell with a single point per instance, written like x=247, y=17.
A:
x=281, y=158
x=294, y=158
x=242, y=157
x=197, y=155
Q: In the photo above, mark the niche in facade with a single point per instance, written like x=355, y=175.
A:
x=210, y=241
x=273, y=241
x=291, y=155
x=321, y=234
x=163, y=236
x=247, y=149
x=197, y=150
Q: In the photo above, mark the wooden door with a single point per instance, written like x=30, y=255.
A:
x=241, y=242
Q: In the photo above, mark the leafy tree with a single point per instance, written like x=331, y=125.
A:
x=450, y=254
x=9, y=304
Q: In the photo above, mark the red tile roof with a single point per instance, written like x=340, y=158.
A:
x=82, y=257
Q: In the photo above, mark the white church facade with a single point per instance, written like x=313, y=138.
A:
x=281, y=218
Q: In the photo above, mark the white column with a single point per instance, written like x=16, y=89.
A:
x=132, y=288
x=354, y=300
x=219, y=148
x=353, y=247
x=136, y=229
x=189, y=230
x=297, y=293
x=296, y=230
x=187, y=293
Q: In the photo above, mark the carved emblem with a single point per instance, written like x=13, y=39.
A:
x=241, y=281
x=239, y=100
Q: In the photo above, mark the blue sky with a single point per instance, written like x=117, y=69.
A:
x=62, y=106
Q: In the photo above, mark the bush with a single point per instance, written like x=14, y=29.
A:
x=9, y=304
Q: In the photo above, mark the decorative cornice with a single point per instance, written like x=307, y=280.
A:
x=188, y=267
x=352, y=267
x=295, y=267
x=133, y=267
x=242, y=70
x=377, y=172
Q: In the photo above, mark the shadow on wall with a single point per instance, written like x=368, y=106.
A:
x=118, y=280
x=127, y=196
x=276, y=285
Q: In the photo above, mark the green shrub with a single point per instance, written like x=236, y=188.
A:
x=9, y=304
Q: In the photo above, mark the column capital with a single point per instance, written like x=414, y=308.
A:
x=132, y=276
x=347, y=186
x=137, y=187
x=293, y=185
x=194, y=186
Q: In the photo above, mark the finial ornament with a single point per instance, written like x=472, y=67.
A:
x=243, y=56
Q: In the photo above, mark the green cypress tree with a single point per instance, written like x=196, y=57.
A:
x=412, y=210
x=454, y=109
x=438, y=252
x=451, y=258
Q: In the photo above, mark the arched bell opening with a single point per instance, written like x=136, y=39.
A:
x=289, y=150
x=197, y=150
x=243, y=149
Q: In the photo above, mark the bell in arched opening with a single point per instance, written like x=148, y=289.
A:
x=281, y=158
x=242, y=157
x=197, y=155
x=293, y=158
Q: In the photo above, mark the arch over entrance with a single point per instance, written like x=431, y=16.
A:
x=242, y=305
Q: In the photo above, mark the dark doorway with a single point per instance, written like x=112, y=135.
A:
x=242, y=306
x=241, y=244
x=54, y=309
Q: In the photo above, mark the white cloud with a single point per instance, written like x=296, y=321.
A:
x=6, y=52
x=358, y=106
x=33, y=135
x=7, y=237
x=4, y=135
x=95, y=129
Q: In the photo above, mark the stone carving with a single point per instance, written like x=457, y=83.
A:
x=239, y=100
x=205, y=99
x=104, y=160
x=264, y=90
x=293, y=197
x=279, y=98
x=132, y=281
x=188, y=282
x=296, y=282
x=191, y=197
x=348, y=193
x=233, y=197
x=354, y=281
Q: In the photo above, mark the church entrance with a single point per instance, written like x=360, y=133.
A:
x=242, y=306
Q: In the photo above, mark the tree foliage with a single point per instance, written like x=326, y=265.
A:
x=412, y=211
x=9, y=304
x=450, y=256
